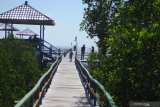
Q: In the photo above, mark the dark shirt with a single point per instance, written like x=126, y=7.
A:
x=83, y=49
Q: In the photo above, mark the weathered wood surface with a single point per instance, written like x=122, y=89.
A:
x=66, y=89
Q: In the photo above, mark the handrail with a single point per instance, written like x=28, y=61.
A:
x=34, y=97
x=50, y=44
x=49, y=47
x=95, y=90
x=53, y=51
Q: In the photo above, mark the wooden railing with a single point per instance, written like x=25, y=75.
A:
x=50, y=51
x=94, y=89
x=34, y=97
x=78, y=55
x=55, y=48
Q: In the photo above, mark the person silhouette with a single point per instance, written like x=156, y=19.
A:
x=70, y=56
x=82, y=52
x=92, y=49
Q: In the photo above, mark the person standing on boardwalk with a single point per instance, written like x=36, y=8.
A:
x=70, y=56
x=92, y=49
x=82, y=52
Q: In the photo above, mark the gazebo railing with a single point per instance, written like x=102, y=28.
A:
x=47, y=47
x=34, y=97
x=50, y=45
x=53, y=53
x=50, y=49
x=94, y=89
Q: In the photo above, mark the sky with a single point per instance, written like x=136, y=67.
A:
x=67, y=15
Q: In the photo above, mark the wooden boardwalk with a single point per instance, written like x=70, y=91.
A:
x=66, y=89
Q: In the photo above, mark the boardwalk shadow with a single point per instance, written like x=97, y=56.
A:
x=82, y=101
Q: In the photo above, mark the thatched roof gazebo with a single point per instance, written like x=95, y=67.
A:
x=25, y=14
x=26, y=32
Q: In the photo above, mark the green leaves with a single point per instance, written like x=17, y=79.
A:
x=97, y=19
x=130, y=69
x=19, y=70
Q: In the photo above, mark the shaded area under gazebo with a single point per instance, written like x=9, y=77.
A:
x=25, y=14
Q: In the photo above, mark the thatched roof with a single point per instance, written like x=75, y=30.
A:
x=25, y=14
x=27, y=32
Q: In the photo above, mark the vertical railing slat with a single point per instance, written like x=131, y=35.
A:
x=95, y=91
x=40, y=97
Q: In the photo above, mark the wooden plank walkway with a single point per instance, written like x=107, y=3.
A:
x=66, y=89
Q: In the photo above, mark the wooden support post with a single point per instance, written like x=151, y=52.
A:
x=107, y=103
x=40, y=90
x=5, y=30
x=47, y=86
x=94, y=98
x=43, y=34
x=11, y=29
x=40, y=44
x=87, y=82
x=40, y=38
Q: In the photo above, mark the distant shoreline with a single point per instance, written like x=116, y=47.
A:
x=88, y=49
